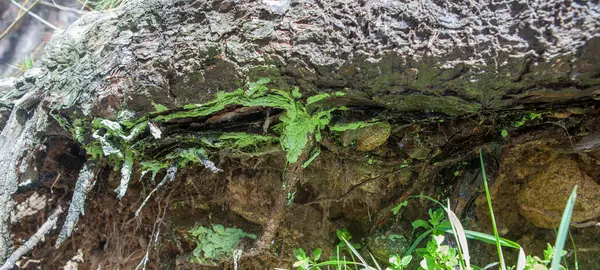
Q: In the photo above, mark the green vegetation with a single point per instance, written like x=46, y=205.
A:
x=26, y=64
x=529, y=117
x=125, y=140
x=437, y=255
x=216, y=243
x=100, y=5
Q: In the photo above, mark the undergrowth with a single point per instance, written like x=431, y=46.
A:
x=437, y=253
x=214, y=243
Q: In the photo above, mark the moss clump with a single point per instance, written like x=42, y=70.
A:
x=216, y=243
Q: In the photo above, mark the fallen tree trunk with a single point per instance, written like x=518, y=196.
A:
x=402, y=61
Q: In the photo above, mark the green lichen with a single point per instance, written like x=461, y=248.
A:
x=216, y=243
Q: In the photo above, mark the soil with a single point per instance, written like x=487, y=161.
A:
x=342, y=188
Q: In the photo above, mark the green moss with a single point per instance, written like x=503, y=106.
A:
x=77, y=128
x=118, y=140
x=449, y=105
x=242, y=140
x=159, y=107
x=339, y=127
x=216, y=243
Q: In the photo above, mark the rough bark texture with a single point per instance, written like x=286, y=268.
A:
x=413, y=59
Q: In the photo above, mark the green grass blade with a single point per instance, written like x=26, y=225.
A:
x=563, y=230
x=489, y=201
x=574, y=251
x=419, y=239
x=360, y=258
x=459, y=235
x=522, y=260
x=484, y=237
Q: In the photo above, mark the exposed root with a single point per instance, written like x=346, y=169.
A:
x=84, y=184
x=169, y=177
x=290, y=180
x=154, y=236
x=33, y=241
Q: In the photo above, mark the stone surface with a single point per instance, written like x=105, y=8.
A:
x=534, y=182
x=543, y=198
x=383, y=246
x=367, y=138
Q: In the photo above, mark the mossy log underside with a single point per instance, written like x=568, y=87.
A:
x=418, y=65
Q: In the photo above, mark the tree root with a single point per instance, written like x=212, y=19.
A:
x=34, y=240
x=290, y=180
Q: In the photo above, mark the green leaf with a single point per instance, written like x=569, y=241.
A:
x=315, y=154
x=406, y=260
x=489, y=202
x=399, y=206
x=263, y=80
x=343, y=234
x=317, y=254
x=420, y=224
x=296, y=92
x=299, y=254
x=504, y=133
x=219, y=229
x=394, y=260
x=316, y=98
x=563, y=230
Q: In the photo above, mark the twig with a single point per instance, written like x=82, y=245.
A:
x=17, y=20
x=28, y=11
x=63, y=8
x=55, y=180
x=169, y=177
x=33, y=241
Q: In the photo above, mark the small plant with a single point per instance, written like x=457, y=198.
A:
x=303, y=261
x=399, y=263
x=27, y=64
x=215, y=243
x=344, y=236
x=436, y=255
x=534, y=262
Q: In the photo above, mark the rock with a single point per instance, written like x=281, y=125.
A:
x=367, y=138
x=534, y=182
x=382, y=246
x=543, y=198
